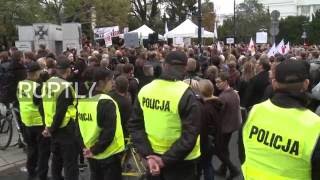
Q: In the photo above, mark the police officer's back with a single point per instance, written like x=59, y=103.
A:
x=30, y=106
x=59, y=114
x=165, y=123
x=281, y=136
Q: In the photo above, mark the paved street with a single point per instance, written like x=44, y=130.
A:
x=12, y=162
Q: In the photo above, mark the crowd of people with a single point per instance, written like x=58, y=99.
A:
x=179, y=106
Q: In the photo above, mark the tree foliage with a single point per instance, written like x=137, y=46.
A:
x=251, y=16
x=178, y=11
x=314, y=29
x=18, y=12
x=146, y=11
x=208, y=16
x=291, y=29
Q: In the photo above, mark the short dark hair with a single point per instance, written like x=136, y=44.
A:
x=292, y=87
x=122, y=84
x=17, y=55
x=265, y=65
x=30, y=55
x=100, y=73
x=128, y=68
x=224, y=76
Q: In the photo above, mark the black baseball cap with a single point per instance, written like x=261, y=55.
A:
x=63, y=64
x=292, y=71
x=176, y=58
x=33, y=66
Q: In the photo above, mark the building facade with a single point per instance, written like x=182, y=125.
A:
x=292, y=7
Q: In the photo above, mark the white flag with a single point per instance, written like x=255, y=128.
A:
x=252, y=48
x=272, y=51
x=287, y=50
x=281, y=47
x=219, y=48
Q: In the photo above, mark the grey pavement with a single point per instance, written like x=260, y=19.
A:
x=12, y=156
x=13, y=160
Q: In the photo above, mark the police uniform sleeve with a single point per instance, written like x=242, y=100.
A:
x=62, y=106
x=106, y=118
x=190, y=113
x=37, y=100
x=137, y=131
x=315, y=161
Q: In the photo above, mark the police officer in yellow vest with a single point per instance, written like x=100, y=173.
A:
x=281, y=136
x=38, y=149
x=166, y=121
x=101, y=130
x=59, y=112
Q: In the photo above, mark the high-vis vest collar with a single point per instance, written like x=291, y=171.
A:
x=90, y=131
x=29, y=112
x=51, y=90
x=279, y=142
x=159, y=101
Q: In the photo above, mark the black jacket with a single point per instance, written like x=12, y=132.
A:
x=210, y=124
x=256, y=88
x=125, y=108
x=11, y=73
x=190, y=115
x=299, y=101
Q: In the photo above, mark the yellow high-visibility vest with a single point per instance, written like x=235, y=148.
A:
x=30, y=115
x=279, y=142
x=90, y=131
x=159, y=102
x=51, y=91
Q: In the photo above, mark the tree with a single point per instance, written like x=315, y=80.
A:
x=251, y=16
x=146, y=11
x=54, y=8
x=18, y=12
x=314, y=33
x=208, y=16
x=112, y=12
x=178, y=11
x=291, y=29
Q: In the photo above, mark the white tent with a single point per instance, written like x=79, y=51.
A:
x=144, y=32
x=187, y=29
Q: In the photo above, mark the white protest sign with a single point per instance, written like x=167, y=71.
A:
x=178, y=41
x=230, y=40
x=24, y=46
x=187, y=41
x=261, y=37
x=105, y=32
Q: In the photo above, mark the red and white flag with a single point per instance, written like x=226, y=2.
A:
x=252, y=48
x=287, y=50
x=281, y=48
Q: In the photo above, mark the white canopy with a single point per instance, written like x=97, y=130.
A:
x=187, y=29
x=144, y=32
